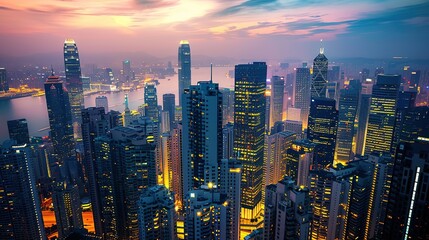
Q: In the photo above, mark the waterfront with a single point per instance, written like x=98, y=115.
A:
x=34, y=108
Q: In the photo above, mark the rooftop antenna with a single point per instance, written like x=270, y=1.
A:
x=322, y=50
x=211, y=72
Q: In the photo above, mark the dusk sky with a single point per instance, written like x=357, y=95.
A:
x=252, y=29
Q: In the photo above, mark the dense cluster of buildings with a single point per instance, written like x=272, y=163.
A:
x=342, y=159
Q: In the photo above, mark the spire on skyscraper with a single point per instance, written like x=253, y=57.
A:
x=322, y=49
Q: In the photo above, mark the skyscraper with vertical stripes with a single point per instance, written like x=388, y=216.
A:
x=184, y=68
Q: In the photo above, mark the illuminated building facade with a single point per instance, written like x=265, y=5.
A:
x=363, y=114
x=319, y=79
x=228, y=141
x=20, y=216
x=322, y=130
x=381, y=121
x=157, y=217
x=4, y=84
x=287, y=211
x=407, y=209
x=302, y=93
x=228, y=105
x=249, y=128
x=60, y=118
x=74, y=83
x=151, y=102
x=176, y=163
x=277, y=94
x=184, y=68
x=299, y=158
x=18, y=131
x=202, y=135
x=348, y=105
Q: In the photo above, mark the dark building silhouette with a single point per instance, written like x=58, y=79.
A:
x=169, y=105
x=18, y=131
x=4, y=84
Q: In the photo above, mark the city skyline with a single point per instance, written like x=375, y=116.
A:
x=289, y=29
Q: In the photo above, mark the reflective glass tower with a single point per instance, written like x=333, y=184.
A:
x=302, y=93
x=169, y=105
x=249, y=128
x=277, y=94
x=184, y=68
x=74, y=83
x=320, y=75
x=151, y=101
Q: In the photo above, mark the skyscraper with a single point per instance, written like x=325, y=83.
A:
x=20, y=215
x=299, y=158
x=169, y=105
x=4, y=85
x=249, y=128
x=348, y=106
x=157, y=217
x=184, y=68
x=60, y=118
x=151, y=102
x=176, y=164
x=101, y=101
x=228, y=105
x=202, y=135
x=381, y=119
x=127, y=74
x=363, y=114
x=18, y=131
x=319, y=80
x=228, y=141
x=277, y=94
x=322, y=130
x=74, y=83
x=302, y=93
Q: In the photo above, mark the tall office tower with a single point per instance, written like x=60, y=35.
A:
x=126, y=166
x=165, y=176
x=202, y=135
x=363, y=114
x=94, y=124
x=68, y=212
x=108, y=76
x=176, y=164
x=413, y=125
x=277, y=94
x=18, y=131
x=275, y=149
x=184, y=68
x=60, y=119
x=249, y=128
x=101, y=101
x=407, y=209
x=299, y=158
x=4, y=85
x=302, y=94
x=294, y=126
x=126, y=115
x=230, y=181
x=228, y=141
x=379, y=196
x=348, y=105
x=381, y=121
x=20, y=215
x=287, y=211
x=322, y=130
x=208, y=215
x=319, y=80
x=74, y=83
x=165, y=122
x=268, y=106
x=169, y=105
x=151, y=101
x=157, y=217
x=127, y=74
x=228, y=105
x=289, y=98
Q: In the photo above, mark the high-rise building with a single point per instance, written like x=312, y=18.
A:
x=169, y=105
x=165, y=122
x=18, y=131
x=60, y=118
x=277, y=94
x=299, y=158
x=4, y=84
x=202, y=135
x=287, y=211
x=319, y=80
x=176, y=164
x=249, y=128
x=94, y=124
x=363, y=114
x=275, y=149
x=184, y=68
x=165, y=174
x=101, y=101
x=126, y=115
x=20, y=214
x=413, y=125
x=230, y=181
x=381, y=121
x=302, y=93
x=294, y=126
x=74, y=83
x=322, y=130
x=157, y=217
x=348, y=106
x=228, y=105
x=228, y=141
x=407, y=210
x=67, y=208
x=208, y=214
x=151, y=102
x=127, y=73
